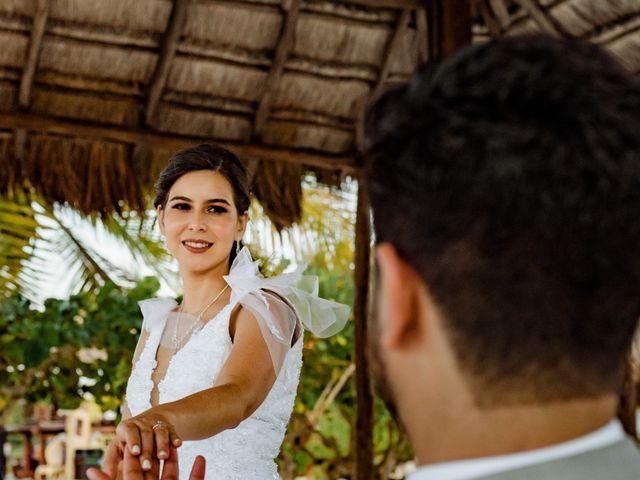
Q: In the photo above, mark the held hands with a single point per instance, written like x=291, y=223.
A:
x=130, y=469
x=147, y=437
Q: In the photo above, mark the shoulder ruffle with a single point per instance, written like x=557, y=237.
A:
x=322, y=317
x=279, y=302
x=155, y=311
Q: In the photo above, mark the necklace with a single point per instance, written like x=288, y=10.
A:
x=176, y=342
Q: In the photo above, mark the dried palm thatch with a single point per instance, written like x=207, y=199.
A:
x=95, y=95
x=281, y=200
x=613, y=24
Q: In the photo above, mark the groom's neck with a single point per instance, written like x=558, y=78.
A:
x=478, y=433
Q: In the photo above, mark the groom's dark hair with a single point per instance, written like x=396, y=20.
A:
x=508, y=177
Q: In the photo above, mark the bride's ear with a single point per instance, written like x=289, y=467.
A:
x=243, y=220
x=160, y=212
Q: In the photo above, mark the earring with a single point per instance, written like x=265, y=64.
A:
x=237, y=247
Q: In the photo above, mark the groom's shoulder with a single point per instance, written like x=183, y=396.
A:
x=619, y=461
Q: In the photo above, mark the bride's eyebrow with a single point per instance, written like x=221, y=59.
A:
x=211, y=200
x=178, y=197
x=218, y=200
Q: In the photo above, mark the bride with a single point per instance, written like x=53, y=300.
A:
x=217, y=375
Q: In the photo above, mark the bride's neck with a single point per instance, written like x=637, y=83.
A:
x=200, y=289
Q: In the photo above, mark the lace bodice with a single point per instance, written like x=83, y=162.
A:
x=247, y=451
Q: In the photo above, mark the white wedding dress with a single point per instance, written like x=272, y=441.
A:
x=246, y=452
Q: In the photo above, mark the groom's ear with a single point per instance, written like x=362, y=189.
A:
x=398, y=299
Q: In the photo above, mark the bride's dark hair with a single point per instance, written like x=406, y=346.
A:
x=206, y=157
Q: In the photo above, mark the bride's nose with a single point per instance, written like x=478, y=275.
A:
x=197, y=223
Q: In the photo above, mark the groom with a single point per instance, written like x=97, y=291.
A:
x=505, y=189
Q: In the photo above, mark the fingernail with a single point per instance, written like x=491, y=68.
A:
x=146, y=465
x=135, y=449
x=177, y=441
x=162, y=454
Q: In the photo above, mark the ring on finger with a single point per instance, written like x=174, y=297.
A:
x=159, y=424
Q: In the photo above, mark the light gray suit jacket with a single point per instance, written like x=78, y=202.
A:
x=619, y=461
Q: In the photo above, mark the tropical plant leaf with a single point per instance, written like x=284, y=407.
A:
x=18, y=232
x=33, y=235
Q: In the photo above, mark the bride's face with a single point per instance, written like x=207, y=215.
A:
x=200, y=221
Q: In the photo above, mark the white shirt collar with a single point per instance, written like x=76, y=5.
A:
x=474, y=468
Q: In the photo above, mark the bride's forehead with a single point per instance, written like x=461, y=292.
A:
x=202, y=183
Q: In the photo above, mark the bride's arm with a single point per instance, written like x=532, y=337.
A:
x=114, y=452
x=142, y=340
x=244, y=382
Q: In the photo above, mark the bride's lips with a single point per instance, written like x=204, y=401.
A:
x=197, y=246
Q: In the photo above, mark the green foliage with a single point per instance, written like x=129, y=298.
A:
x=18, y=231
x=44, y=353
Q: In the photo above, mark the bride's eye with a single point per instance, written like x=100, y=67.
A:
x=181, y=206
x=217, y=209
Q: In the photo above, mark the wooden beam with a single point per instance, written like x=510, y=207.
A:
x=398, y=4
x=546, y=24
x=33, y=55
x=173, y=142
x=363, y=437
x=501, y=13
x=167, y=53
x=285, y=44
x=490, y=21
x=392, y=46
x=423, y=35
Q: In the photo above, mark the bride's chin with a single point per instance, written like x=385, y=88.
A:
x=200, y=266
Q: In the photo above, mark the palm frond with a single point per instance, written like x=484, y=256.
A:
x=140, y=236
x=18, y=232
x=49, y=249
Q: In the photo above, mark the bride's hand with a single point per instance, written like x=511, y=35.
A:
x=145, y=434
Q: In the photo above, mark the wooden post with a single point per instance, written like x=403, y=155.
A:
x=363, y=436
x=448, y=26
x=448, y=29
x=456, y=25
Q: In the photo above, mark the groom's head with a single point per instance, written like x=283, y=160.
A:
x=505, y=189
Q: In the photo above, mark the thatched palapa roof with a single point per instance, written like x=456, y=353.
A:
x=95, y=95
